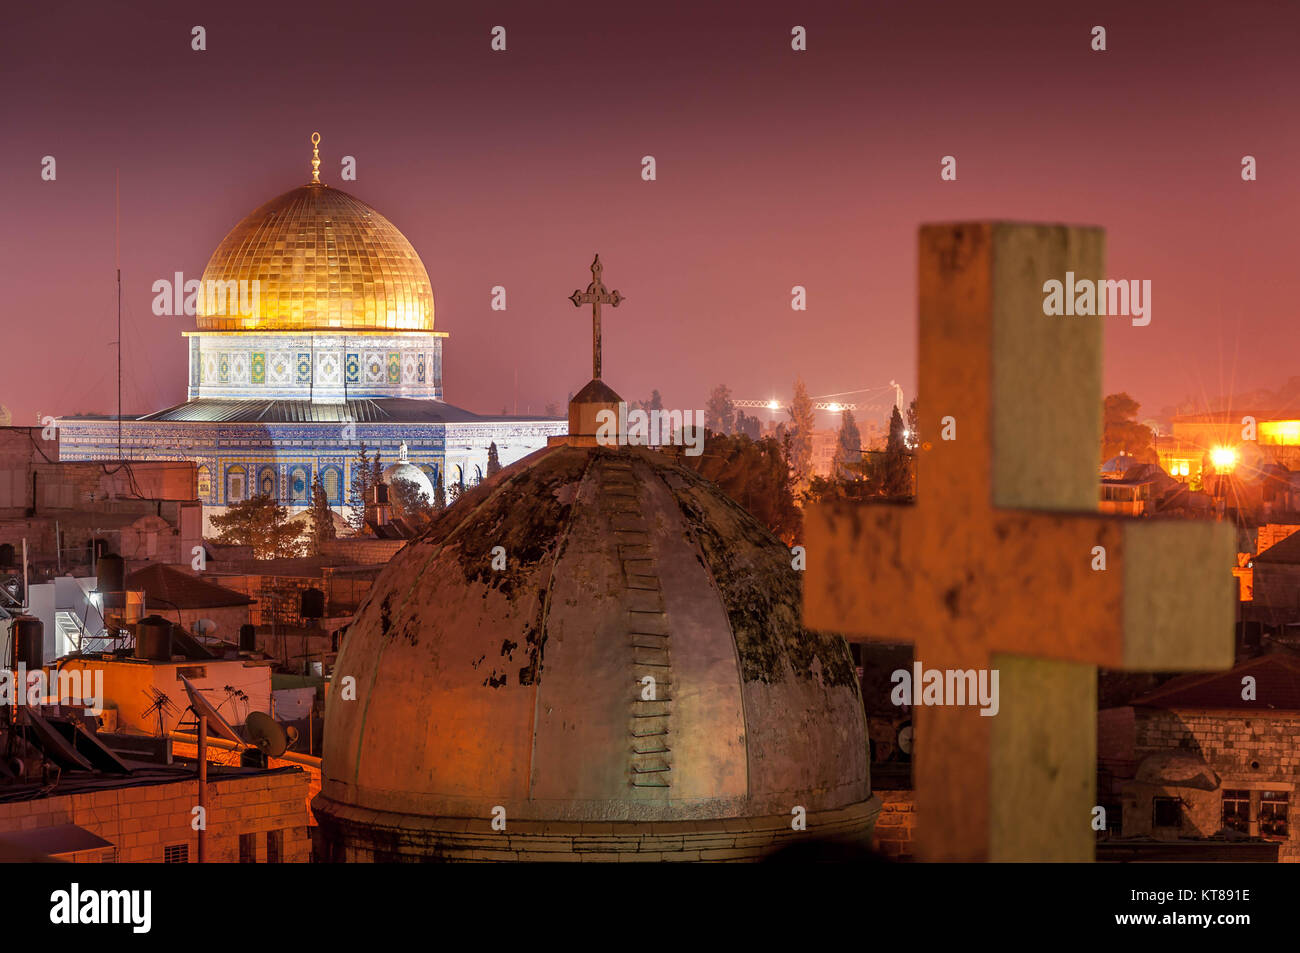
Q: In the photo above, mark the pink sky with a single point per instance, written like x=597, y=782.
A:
x=775, y=168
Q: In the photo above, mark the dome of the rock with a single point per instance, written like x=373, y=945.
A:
x=626, y=674
x=323, y=260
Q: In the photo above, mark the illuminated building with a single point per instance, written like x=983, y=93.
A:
x=336, y=349
x=633, y=682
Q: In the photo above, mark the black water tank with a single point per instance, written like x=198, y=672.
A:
x=111, y=571
x=28, y=634
x=313, y=604
x=153, y=638
x=248, y=637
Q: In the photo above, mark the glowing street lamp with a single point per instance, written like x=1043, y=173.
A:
x=1224, y=459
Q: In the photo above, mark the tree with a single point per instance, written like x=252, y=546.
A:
x=494, y=460
x=552, y=410
x=802, y=423
x=720, y=414
x=322, y=517
x=1122, y=432
x=263, y=524
x=439, y=501
x=751, y=427
x=363, y=478
x=655, y=402
x=756, y=475
x=913, y=427
x=891, y=473
x=848, y=450
x=410, y=502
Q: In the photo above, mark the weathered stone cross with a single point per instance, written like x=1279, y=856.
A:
x=976, y=575
x=595, y=295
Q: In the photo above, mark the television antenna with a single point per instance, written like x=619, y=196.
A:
x=160, y=705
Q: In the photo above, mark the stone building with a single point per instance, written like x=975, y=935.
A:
x=1276, y=571
x=595, y=655
x=145, y=510
x=187, y=599
x=1196, y=762
x=146, y=817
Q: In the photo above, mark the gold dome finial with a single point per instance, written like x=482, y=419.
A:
x=315, y=158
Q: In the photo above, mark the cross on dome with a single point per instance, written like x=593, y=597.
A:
x=595, y=295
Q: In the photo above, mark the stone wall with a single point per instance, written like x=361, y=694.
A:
x=358, y=835
x=142, y=820
x=1243, y=751
x=896, y=825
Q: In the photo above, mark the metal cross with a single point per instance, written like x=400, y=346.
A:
x=595, y=295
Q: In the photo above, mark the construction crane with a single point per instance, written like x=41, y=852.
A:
x=825, y=401
x=832, y=405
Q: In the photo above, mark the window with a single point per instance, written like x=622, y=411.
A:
x=1272, y=813
x=1236, y=811
x=176, y=854
x=1168, y=812
x=298, y=485
x=236, y=484
x=248, y=848
x=266, y=482
x=1114, y=819
x=274, y=847
x=333, y=482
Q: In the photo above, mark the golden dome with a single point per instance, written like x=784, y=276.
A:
x=323, y=261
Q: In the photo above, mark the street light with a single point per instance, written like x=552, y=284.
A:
x=1224, y=459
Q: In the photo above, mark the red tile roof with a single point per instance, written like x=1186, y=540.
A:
x=1277, y=688
x=175, y=588
x=1287, y=551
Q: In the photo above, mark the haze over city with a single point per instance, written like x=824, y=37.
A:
x=772, y=171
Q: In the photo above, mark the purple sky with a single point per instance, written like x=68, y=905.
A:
x=775, y=168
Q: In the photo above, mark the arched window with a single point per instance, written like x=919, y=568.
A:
x=299, y=486
x=478, y=474
x=266, y=482
x=459, y=475
x=332, y=479
x=205, y=483
x=236, y=483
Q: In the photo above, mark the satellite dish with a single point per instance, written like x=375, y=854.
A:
x=204, y=707
x=204, y=627
x=905, y=740
x=266, y=734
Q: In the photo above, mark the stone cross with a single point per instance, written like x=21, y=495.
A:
x=595, y=295
x=996, y=565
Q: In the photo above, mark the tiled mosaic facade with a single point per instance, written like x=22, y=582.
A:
x=315, y=366
x=237, y=460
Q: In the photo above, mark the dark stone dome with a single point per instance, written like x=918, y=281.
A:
x=525, y=688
